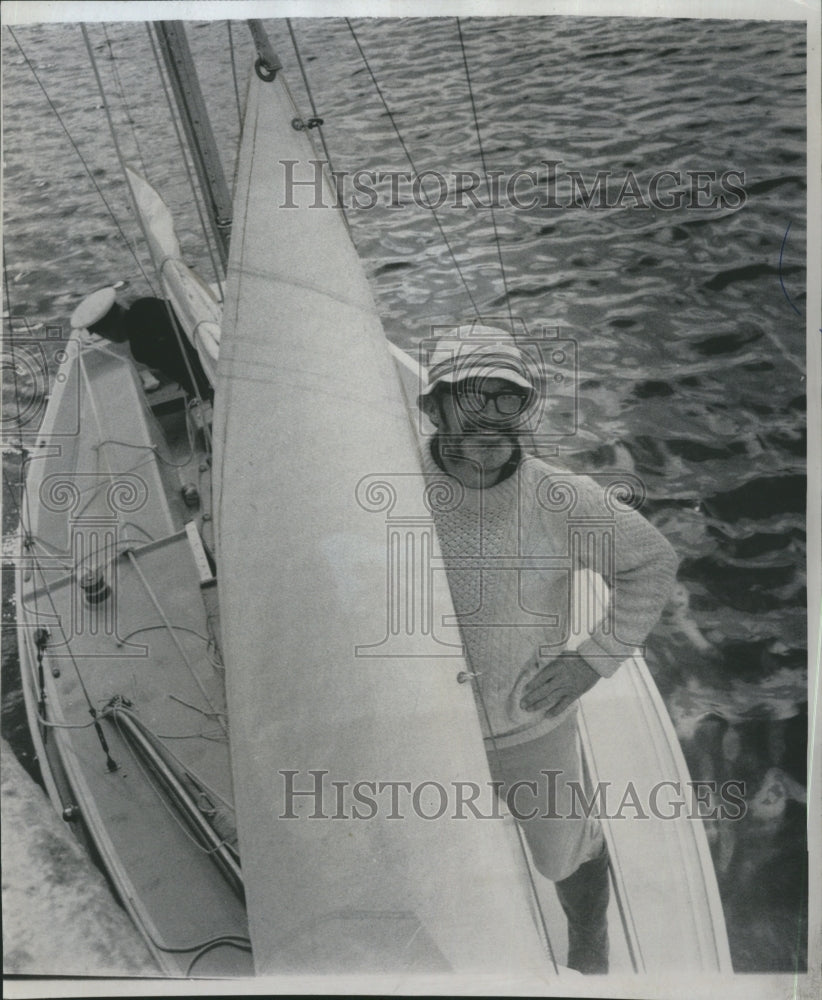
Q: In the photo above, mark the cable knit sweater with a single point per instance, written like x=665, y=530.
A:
x=513, y=552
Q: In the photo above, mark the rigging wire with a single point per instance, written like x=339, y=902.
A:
x=109, y=118
x=202, y=947
x=238, y=940
x=161, y=797
x=185, y=768
x=156, y=449
x=234, y=76
x=48, y=724
x=110, y=762
x=121, y=90
x=23, y=503
x=32, y=557
x=96, y=717
x=97, y=188
x=192, y=183
x=152, y=628
x=543, y=922
x=485, y=172
x=194, y=708
x=13, y=363
x=626, y=915
x=307, y=85
x=54, y=555
x=220, y=942
x=180, y=336
x=410, y=159
x=104, y=347
x=212, y=652
x=131, y=556
x=227, y=940
x=129, y=542
x=478, y=693
x=25, y=520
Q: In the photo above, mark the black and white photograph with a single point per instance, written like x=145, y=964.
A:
x=411, y=498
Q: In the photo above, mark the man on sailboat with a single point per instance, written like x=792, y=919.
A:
x=511, y=559
x=151, y=331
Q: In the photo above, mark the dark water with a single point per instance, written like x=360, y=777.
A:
x=689, y=320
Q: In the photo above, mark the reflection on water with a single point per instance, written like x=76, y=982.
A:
x=688, y=321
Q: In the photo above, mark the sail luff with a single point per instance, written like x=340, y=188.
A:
x=312, y=444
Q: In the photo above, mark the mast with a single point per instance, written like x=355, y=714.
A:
x=189, y=98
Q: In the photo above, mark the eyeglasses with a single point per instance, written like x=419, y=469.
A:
x=507, y=402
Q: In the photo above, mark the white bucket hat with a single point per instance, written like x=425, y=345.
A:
x=478, y=352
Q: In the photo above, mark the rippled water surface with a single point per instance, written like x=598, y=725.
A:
x=689, y=320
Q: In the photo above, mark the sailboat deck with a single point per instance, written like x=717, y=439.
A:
x=119, y=600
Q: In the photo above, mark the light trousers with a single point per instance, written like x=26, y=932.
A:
x=549, y=808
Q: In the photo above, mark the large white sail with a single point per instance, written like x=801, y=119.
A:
x=308, y=408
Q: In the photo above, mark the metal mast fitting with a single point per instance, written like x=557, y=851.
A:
x=180, y=66
x=267, y=63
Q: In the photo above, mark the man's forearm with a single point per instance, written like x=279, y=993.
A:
x=645, y=566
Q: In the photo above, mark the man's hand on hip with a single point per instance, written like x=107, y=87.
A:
x=558, y=684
